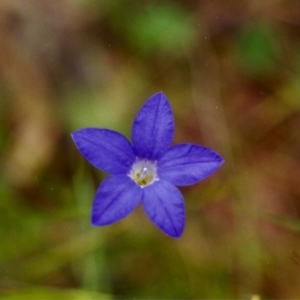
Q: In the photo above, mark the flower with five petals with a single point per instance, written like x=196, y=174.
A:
x=146, y=171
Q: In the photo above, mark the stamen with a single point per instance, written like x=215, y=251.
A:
x=144, y=173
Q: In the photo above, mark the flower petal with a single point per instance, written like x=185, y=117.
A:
x=186, y=164
x=105, y=149
x=153, y=128
x=116, y=198
x=164, y=205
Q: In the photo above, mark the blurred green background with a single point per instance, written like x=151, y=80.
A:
x=231, y=70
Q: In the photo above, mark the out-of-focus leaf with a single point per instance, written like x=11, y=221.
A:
x=90, y=268
x=162, y=28
x=257, y=50
x=285, y=221
x=49, y=294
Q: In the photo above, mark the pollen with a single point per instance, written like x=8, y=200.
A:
x=143, y=172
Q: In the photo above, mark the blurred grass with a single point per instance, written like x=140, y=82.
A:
x=231, y=72
x=47, y=293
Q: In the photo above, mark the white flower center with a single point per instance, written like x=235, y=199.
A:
x=143, y=172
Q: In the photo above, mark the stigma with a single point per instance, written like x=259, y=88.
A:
x=143, y=172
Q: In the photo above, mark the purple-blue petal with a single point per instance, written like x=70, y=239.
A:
x=164, y=205
x=153, y=128
x=116, y=198
x=105, y=149
x=186, y=164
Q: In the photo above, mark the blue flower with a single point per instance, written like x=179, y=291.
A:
x=146, y=171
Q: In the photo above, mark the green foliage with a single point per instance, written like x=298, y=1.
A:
x=53, y=294
x=257, y=48
x=290, y=223
x=154, y=28
x=162, y=29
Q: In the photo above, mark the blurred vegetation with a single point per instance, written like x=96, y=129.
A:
x=231, y=71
